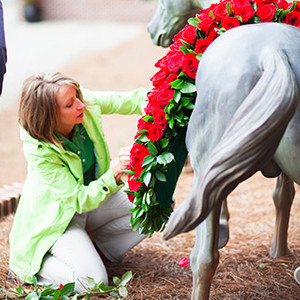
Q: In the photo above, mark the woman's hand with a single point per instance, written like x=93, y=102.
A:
x=121, y=163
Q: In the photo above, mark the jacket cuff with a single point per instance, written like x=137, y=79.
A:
x=108, y=183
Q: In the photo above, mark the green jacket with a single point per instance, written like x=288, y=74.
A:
x=53, y=191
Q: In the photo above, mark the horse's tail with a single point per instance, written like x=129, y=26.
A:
x=250, y=140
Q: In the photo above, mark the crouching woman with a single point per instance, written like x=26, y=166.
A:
x=73, y=204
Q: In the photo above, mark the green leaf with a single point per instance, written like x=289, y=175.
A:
x=172, y=123
x=185, y=43
x=148, y=118
x=147, y=199
x=228, y=8
x=117, y=281
x=164, y=143
x=177, y=96
x=147, y=178
x=176, y=84
x=188, y=88
x=67, y=289
x=185, y=50
x=160, y=176
x=34, y=281
x=129, y=172
x=142, y=131
x=152, y=149
x=126, y=278
x=136, y=226
x=211, y=14
x=123, y=291
x=145, y=207
x=137, y=213
x=142, y=139
x=165, y=158
x=32, y=296
x=56, y=295
x=292, y=7
x=147, y=160
x=194, y=22
x=91, y=283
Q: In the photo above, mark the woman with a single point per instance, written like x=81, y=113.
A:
x=73, y=201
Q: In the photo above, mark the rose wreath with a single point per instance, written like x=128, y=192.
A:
x=158, y=153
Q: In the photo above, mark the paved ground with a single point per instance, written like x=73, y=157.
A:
x=100, y=55
x=47, y=46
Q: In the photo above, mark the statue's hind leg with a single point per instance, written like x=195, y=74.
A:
x=283, y=196
x=205, y=254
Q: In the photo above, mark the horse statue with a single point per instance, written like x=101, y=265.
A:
x=248, y=105
x=171, y=16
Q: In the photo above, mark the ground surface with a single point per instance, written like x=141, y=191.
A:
x=245, y=270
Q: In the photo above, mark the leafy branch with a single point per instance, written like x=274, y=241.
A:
x=64, y=292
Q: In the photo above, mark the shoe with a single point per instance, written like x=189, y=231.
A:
x=297, y=275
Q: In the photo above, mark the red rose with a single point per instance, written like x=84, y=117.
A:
x=188, y=34
x=175, y=46
x=175, y=61
x=220, y=11
x=207, y=25
x=246, y=12
x=205, y=12
x=266, y=12
x=142, y=125
x=155, y=132
x=159, y=116
x=152, y=96
x=137, y=155
x=133, y=185
x=263, y=2
x=60, y=286
x=190, y=65
x=165, y=95
x=201, y=45
x=162, y=63
x=184, y=262
x=159, y=77
x=283, y=4
x=151, y=107
x=230, y=22
x=292, y=18
x=236, y=3
x=213, y=34
x=172, y=77
x=297, y=7
x=130, y=198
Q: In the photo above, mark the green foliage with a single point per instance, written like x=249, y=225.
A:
x=55, y=292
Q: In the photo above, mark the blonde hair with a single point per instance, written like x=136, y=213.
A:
x=38, y=104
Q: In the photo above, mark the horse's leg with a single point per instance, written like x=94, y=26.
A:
x=224, y=227
x=205, y=254
x=283, y=196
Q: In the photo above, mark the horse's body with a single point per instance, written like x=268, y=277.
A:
x=246, y=119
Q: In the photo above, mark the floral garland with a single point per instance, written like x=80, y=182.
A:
x=170, y=102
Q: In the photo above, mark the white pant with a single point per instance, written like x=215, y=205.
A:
x=73, y=257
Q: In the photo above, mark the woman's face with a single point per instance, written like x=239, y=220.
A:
x=69, y=109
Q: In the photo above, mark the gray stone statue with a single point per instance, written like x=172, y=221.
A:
x=246, y=119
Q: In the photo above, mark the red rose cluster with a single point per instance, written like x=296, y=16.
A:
x=177, y=69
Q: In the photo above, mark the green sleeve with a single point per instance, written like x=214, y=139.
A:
x=59, y=183
x=124, y=103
